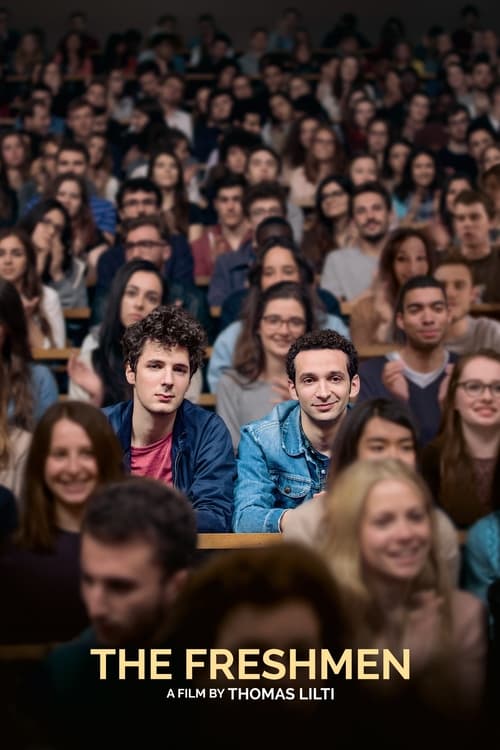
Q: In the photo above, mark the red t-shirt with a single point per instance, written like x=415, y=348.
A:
x=153, y=460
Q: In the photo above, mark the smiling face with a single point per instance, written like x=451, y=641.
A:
x=71, y=472
x=425, y=318
x=334, y=200
x=410, y=260
x=362, y=169
x=70, y=195
x=141, y=296
x=322, y=386
x=278, y=265
x=395, y=532
x=283, y=321
x=423, y=171
x=479, y=410
x=160, y=380
x=13, y=260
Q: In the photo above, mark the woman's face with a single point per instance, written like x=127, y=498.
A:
x=397, y=158
x=490, y=157
x=377, y=138
x=73, y=43
x=71, y=471
x=410, y=260
x=237, y=160
x=323, y=144
x=69, y=194
x=281, y=109
x=165, y=172
x=363, y=113
x=278, y=265
x=138, y=121
x=362, y=169
x=423, y=170
x=13, y=260
x=395, y=532
x=97, y=147
x=47, y=229
x=201, y=98
x=142, y=295
x=307, y=130
x=298, y=86
x=13, y=151
x=181, y=150
x=334, y=201
x=479, y=409
x=349, y=68
x=282, y=322
x=455, y=187
x=52, y=75
x=116, y=83
x=384, y=439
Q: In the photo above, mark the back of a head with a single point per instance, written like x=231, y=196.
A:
x=140, y=508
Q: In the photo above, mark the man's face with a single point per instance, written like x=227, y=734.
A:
x=150, y=84
x=220, y=108
x=261, y=167
x=457, y=127
x=161, y=379
x=172, y=92
x=482, y=77
x=460, y=291
x=471, y=224
x=138, y=203
x=424, y=319
x=71, y=161
x=242, y=87
x=322, y=385
x=273, y=78
x=146, y=243
x=81, y=122
x=478, y=141
x=96, y=95
x=371, y=216
x=263, y=208
x=228, y=205
x=419, y=108
x=251, y=123
x=125, y=591
x=40, y=122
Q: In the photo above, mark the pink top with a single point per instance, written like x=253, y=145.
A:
x=153, y=460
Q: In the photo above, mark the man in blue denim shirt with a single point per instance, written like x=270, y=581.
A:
x=283, y=458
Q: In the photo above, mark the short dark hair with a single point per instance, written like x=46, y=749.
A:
x=325, y=339
x=146, y=509
x=470, y=197
x=148, y=66
x=136, y=184
x=371, y=187
x=417, y=282
x=169, y=326
x=454, y=258
x=145, y=221
x=264, y=191
x=74, y=146
x=267, y=149
x=229, y=180
x=478, y=125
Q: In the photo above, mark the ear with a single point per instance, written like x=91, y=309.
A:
x=129, y=375
x=167, y=252
x=355, y=386
x=475, y=294
x=292, y=390
x=399, y=321
x=174, y=584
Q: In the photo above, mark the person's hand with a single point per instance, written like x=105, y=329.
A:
x=56, y=259
x=30, y=305
x=443, y=388
x=423, y=628
x=281, y=390
x=84, y=376
x=394, y=380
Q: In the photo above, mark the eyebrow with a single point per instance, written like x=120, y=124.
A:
x=317, y=375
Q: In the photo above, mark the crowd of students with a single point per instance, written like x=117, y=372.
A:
x=291, y=211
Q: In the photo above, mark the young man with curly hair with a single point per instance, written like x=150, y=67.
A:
x=163, y=435
x=283, y=458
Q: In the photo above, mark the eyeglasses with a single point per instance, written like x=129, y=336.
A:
x=276, y=321
x=332, y=194
x=144, y=244
x=476, y=388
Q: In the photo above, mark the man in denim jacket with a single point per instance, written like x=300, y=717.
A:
x=162, y=434
x=283, y=458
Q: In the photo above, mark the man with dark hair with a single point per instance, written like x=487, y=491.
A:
x=283, y=458
x=138, y=546
x=162, y=434
x=479, y=137
x=348, y=272
x=454, y=156
x=231, y=269
x=416, y=373
x=473, y=215
x=231, y=230
x=171, y=98
x=148, y=75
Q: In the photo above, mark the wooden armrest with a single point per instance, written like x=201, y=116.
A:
x=236, y=541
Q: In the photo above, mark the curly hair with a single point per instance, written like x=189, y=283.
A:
x=324, y=339
x=169, y=326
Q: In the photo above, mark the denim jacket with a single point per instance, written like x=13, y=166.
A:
x=203, y=464
x=276, y=470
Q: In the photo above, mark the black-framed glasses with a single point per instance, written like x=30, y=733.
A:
x=476, y=388
x=144, y=244
x=276, y=321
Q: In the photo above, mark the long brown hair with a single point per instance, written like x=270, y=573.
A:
x=337, y=162
x=83, y=225
x=458, y=487
x=391, y=249
x=38, y=521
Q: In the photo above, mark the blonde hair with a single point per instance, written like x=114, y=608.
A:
x=340, y=541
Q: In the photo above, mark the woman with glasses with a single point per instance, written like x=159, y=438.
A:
x=257, y=380
x=49, y=226
x=462, y=464
x=324, y=157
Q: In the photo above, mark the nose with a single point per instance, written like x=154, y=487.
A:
x=95, y=601
x=72, y=463
x=167, y=377
x=139, y=303
x=322, y=389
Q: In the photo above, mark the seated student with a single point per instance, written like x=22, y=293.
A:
x=42, y=307
x=416, y=373
x=162, y=434
x=462, y=464
x=374, y=430
x=408, y=252
x=231, y=229
x=257, y=380
x=278, y=259
x=283, y=458
x=73, y=451
x=96, y=371
x=465, y=333
x=138, y=542
x=379, y=539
